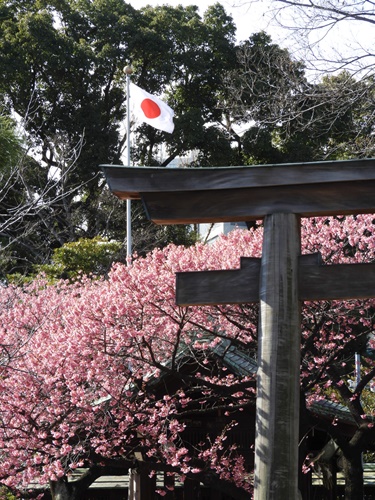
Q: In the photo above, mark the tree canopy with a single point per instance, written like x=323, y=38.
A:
x=335, y=104
x=62, y=73
x=61, y=66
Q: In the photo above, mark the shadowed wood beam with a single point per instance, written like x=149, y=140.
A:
x=193, y=195
x=334, y=282
x=237, y=286
x=131, y=182
x=248, y=204
x=241, y=286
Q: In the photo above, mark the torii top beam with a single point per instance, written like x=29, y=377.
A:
x=221, y=194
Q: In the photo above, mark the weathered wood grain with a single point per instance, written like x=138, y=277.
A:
x=241, y=286
x=277, y=404
x=248, y=204
x=336, y=282
x=133, y=182
x=184, y=196
x=236, y=286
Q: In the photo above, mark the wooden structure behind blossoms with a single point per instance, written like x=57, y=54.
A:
x=280, y=280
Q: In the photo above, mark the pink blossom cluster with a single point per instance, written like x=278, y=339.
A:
x=82, y=364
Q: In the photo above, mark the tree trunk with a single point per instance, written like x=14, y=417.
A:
x=353, y=471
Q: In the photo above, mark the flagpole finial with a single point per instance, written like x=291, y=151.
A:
x=128, y=70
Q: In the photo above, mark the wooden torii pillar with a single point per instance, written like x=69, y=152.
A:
x=280, y=280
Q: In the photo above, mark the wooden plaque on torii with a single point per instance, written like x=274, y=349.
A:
x=280, y=280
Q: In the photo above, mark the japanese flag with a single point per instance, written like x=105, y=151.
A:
x=150, y=109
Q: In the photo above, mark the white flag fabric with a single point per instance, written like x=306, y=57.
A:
x=150, y=109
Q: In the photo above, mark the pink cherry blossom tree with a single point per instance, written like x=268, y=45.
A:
x=77, y=361
x=333, y=332
x=85, y=367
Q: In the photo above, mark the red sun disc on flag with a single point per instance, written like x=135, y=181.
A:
x=150, y=108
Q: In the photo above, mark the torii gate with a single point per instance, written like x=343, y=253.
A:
x=280, y=280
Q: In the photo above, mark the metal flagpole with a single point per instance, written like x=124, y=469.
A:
x=128, y=71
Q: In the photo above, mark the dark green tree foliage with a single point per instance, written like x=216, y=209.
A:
x=10, y=155
x=262, y=90
x=10, y=145
x=59, y=74
x=291, y=119
x=199, y=51
x=61, y=71
x=61, y=67
x=85, y=256
x=61, y=63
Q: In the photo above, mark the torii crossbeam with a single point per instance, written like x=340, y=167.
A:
x=280, y=280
